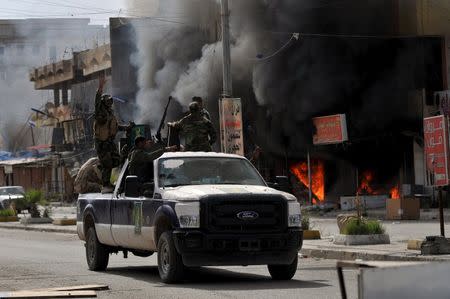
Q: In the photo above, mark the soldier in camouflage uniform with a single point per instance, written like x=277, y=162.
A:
x=105, y=130
x=203, y=111
x=198, y=131
x=89, y=178
x=142, y=157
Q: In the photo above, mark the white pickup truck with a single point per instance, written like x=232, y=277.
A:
x=203, y=209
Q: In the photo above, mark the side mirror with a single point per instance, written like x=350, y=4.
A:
x=132, y=186
x=271, y=185
x=282, y=184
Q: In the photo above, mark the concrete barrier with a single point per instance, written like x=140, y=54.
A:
x=361, y=239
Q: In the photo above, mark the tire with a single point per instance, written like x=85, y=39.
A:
x=97, y=255
x=170, y=263
x=283, y=272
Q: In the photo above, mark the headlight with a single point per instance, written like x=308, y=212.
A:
x=188, y=214
x=294, y=219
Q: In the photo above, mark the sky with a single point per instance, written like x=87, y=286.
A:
x=98, y=11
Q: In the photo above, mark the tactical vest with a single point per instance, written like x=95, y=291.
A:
x=105, y=127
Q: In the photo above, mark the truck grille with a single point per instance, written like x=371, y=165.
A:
x=220, y=214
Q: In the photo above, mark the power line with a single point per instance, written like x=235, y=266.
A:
x=294, y=36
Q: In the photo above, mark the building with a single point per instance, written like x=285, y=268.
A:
x=25, y=44
x=49, y=174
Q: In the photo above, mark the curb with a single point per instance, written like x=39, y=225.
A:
x=354, y=255
x=65, y=221
x=39, y=229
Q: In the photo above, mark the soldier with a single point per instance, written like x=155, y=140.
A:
x=142, y=157
x=204, y=112
x=89, y=178
x=105, y=130
x=198, y=131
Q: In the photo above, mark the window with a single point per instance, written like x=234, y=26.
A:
x=2, y=51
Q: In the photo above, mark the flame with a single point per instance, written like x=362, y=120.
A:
x=300, y=170
x=366, y=182
x=395, y=192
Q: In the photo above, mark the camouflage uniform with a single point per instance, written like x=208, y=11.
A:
x=88, y=179
x=105, y=130
x=141, y=163
x=198, y=132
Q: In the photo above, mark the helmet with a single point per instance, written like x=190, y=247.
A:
x=139, y=139
x=107, y=99
x=194, y=107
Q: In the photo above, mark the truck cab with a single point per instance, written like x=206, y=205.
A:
x=201, y=209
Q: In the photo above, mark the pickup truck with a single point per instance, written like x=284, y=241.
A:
x=202, y=209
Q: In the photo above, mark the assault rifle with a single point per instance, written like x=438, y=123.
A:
x=161, y=124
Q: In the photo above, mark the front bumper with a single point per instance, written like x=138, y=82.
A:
x=201, y=249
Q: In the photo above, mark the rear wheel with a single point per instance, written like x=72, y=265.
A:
x=170, y=263
x=283, y=272
x=97, y=255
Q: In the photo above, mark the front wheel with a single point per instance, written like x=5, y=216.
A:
x=283, y=272
x=170, y=263
x=97, y=255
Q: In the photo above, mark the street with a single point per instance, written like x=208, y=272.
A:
x=40, y=260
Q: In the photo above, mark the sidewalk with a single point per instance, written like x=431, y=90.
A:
x=57, y=212
x=50, y=228
x=399, y=232
x=396, y=251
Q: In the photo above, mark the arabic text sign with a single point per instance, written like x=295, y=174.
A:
x=436, y=149
x=231, y=126
x=330, y=129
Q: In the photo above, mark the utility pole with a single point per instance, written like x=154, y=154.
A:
x=309, y=178
x=227, y=80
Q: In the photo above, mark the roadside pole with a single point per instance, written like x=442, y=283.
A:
x=309, y=178
x=227, y=80
x=441, y=213
x=230, y=109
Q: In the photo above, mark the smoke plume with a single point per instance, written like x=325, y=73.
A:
x=284, y=79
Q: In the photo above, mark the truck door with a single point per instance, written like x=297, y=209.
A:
x=132, y=218
x=121, y=221
x=142, y=234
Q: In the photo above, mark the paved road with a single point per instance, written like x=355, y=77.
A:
x=39, y=260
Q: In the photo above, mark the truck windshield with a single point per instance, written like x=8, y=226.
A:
x=176, y=172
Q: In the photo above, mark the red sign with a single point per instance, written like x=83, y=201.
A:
x=330, y=129
x=436, y=149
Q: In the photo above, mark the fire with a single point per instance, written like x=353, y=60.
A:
x=395, y=192
x=300, y=170
x=366, y=182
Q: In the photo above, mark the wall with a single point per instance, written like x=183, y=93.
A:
x=428, y=17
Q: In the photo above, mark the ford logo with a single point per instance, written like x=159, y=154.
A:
x=247, y=215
